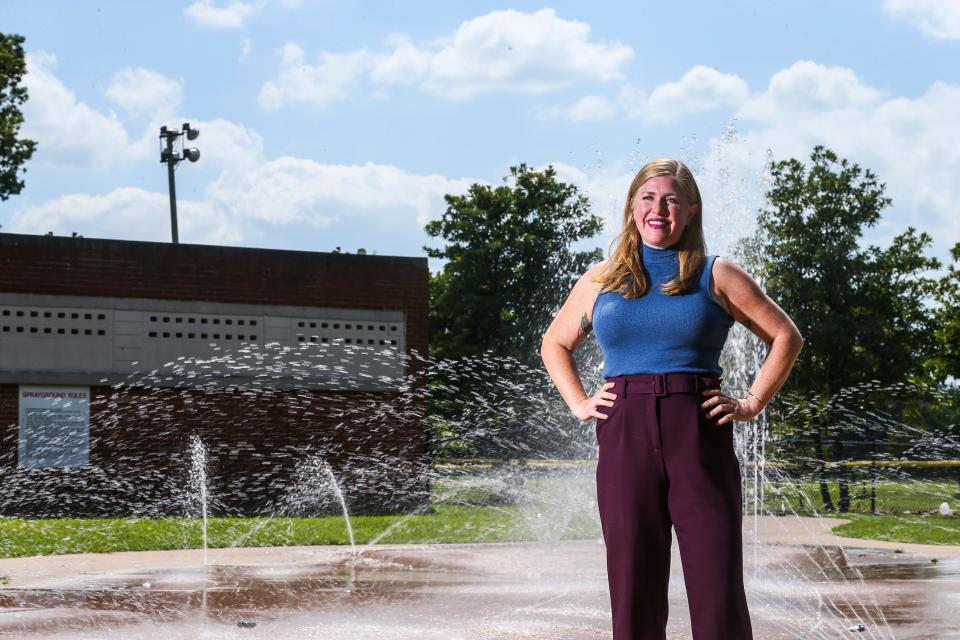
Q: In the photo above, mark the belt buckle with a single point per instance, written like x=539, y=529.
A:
x=659, y=385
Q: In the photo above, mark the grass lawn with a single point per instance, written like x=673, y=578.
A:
x=899, y=497
x=907, y=510
x=925, y=529
x=474, y=509
x=469, y=511
x=21, y=537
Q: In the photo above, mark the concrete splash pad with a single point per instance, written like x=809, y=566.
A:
x=457, y=591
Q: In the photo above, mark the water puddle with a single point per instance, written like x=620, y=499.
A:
x=528, y=592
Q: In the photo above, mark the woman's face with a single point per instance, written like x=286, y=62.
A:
x=661, y=211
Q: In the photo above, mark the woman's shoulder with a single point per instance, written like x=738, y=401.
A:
x=592, y=276
x=730, y=279
x=587, y=287
x=596, y=269
x=727, y=270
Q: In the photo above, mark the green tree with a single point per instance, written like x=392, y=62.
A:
x=13, y=151
x=861, y=310
x=945, y=361
x=509, y=264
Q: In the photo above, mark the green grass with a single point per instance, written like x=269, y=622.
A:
x=907, y=510
x=472, y=508
x=450, y=523
x=902, y=497
x=924, y=529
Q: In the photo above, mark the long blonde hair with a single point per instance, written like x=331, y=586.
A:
x=624, y=271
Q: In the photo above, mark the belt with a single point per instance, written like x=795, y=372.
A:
x=662, y=384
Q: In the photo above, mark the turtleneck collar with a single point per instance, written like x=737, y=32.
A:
x=655, y=255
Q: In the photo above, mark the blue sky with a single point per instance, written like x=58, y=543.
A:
x=343, y=124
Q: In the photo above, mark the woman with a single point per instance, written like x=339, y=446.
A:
x=662, y=309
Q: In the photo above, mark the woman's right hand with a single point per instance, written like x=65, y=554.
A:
x=586, y=409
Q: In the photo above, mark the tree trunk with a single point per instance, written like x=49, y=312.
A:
x=844, y=502
x=821, y=465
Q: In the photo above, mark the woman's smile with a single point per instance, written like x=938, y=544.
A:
x=661, y=212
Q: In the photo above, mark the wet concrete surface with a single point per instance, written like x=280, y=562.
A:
x=483, y=591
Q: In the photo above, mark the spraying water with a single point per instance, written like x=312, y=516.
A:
x=198, y=477
x=813, y=590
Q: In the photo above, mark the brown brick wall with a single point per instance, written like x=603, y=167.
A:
x=375, y=442
x=117, y=268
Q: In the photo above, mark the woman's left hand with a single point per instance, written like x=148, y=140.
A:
x=730, y=408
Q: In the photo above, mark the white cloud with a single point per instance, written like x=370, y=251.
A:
x=592, y=108
x=699, y=89
x=509, y=51
x=126, y=213
x=247, y=198
x=205, y=13
x=142, y=92
x=939, y=19
x=908, y=142
x=807, y=88
x=506, y=51
x=406, y=64
x=245, y=49
x=69, y=133
x=224, y=144
x=386, y=204
x=313, y=85
x=290, y=190
x=73, y=134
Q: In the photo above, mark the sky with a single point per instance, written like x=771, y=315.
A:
x=330, y=124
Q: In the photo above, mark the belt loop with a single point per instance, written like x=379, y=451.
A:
x=696, y=384
x=660, y=385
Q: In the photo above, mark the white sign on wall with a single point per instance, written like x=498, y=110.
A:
x=54, y=426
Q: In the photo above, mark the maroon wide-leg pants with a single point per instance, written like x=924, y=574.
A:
x=663, y=462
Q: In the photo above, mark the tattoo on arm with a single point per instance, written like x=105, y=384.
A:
x=585, y=325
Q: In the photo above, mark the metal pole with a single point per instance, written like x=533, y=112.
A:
x=173, y=190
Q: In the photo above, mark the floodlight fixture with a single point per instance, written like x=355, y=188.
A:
x=170, y=157
x=192, y=134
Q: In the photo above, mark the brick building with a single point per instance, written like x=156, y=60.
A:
x=114, y=353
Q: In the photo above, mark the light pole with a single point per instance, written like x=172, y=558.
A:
x=171, y=158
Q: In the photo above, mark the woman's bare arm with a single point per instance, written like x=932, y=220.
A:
x=751, y=307
x=570, y=326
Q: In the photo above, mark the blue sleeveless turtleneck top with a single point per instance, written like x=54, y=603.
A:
x=657, y=333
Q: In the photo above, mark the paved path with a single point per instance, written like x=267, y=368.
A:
x=792, y=530
x=768, y=530
x=505, y=591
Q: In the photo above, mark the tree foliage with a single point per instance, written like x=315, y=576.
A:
x=509, y=264
x=861, y=310
x=945, y=362
x=14, y=152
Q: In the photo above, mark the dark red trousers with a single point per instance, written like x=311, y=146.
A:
x=663, y=463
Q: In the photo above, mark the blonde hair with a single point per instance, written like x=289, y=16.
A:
x=624, y=271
